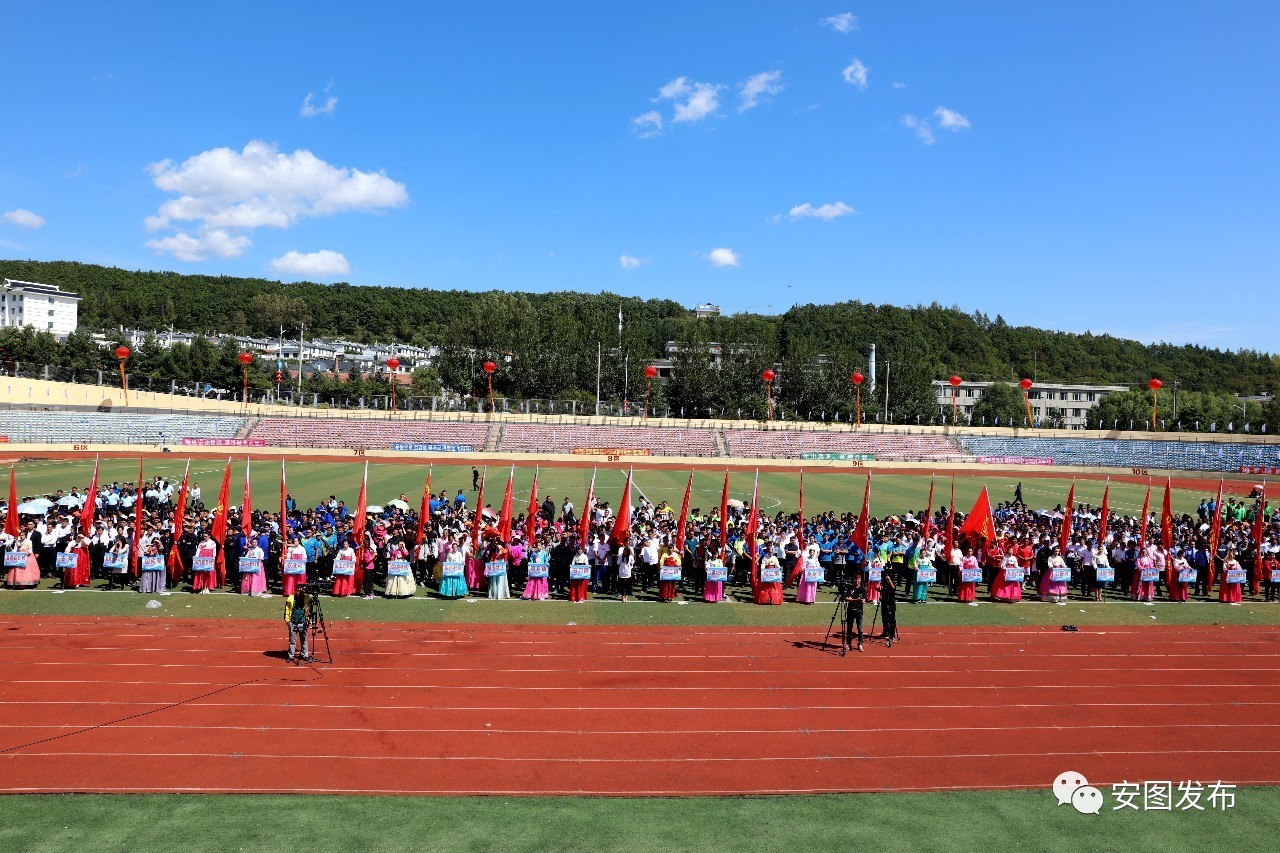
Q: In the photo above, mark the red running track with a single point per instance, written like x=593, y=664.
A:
x=125, y=705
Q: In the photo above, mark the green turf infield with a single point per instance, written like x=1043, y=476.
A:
x=608, y=610
x=956, y=821
x=840, y=491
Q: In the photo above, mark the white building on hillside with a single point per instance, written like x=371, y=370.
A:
x=40, y=306
x=1071, y=402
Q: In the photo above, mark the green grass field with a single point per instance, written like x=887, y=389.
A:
x=1020, y=820
x=824, y=490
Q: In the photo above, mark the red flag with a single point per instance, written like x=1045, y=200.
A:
x=928, y=513
x=1214, y=531
x=91, y=502
x=134, y=554
x=284, y=515
x=424, y=509
x=219, y=531
x=504, y=515
x=800, y=526
x=584, y=524
x=862, y=533
x=683, y=521
x=1166, y=518
x=979, y=523
x=477, y=521
x=246, y=508
x=622, y=522
x=1068, y=517
x=1105, y=515
x=951, y=519
x=179, y=519
x=362, y=516
x=724, y=511
x=11, y=525
x=753, y=528
x=531, y=513
x=1142, y=526
x=1259, y=523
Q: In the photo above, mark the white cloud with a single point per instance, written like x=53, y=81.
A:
x=856, y=74
x=322, y=264
x=845, y=22
x=757, y=86
x=205, y=244
x=897, y=85
x=920, y=127
x=231, y=192
x=648, y=124
x=630, y=262
x=23, y=218
x=825, y=212
x=694, y=101
x=951, y=120
x=310, y=109
x=723, y=258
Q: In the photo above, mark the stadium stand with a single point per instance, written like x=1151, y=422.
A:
x=885, y=446
x=366, y=433
x=662, y=441
x=1125, y=453
x=113, y=428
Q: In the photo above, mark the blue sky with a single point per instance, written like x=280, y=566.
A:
x=1099, y=165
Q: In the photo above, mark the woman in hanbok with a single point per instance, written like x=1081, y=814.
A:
x=767, y=592
x=873, y=585
x=1051, y=590
x=344, y=585
x=26, y=576
x=967, y=591
x=204, y=581
x=454, y=551
x=1230, y=593
x=118, y=555
x=1003, y=589
x=580, y=588
x=294, y=553
x=807, y=591
x=1177, y=588
x=399, y=586
x=920, y=556
x=77, y=575
x=499, y=588
x=712, y=591
x=668, y=558
x=537, y=588
x=151, y=569
x=253, y=583
x=1143, y=590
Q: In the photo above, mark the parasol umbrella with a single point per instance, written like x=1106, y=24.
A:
x=39, y=506
x=398, y=504
x=736, y=504
x=71, y=500
x=374, y=510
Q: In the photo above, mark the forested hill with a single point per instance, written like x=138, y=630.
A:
x=557, y=332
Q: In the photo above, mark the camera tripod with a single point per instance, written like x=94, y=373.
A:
x=316, y=625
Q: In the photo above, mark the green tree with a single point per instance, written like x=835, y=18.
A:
x=1001, y=403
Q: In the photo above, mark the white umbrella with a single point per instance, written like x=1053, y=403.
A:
x=36, y=507
x=398, y=504
x=488, y=513
x=374, y=510
x=736, y=504
x=71, y=500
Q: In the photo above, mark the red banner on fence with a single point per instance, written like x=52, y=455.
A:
x=612, y=451
x=1259, y=469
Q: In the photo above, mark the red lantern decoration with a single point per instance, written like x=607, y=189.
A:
x=122, y=352
x=768, y=376
x=1025, y=385
x=955, y=393
x=490, y=367
x=856, y=379
x=954, y=380
x=1155, y=385
x=649, y=373
x=393, y=363
x=246, y=358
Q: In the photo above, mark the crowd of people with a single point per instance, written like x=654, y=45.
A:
x=552, y=551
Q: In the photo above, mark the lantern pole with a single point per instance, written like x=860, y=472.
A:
x=122, y=353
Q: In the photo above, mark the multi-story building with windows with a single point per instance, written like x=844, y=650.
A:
x=40, y=306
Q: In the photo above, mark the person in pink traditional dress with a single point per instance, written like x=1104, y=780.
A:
x=1003, y=589
x=537, y=588
x=344, y=585
x=967, y=591
x=201, y=580
x=1143, y=590
x=294, y=553
x=873, y=582
x=807, y=591
x=1230, y=593
x=253, y=583
x=713, y=591
x=1177, y=588
x=1051, y=590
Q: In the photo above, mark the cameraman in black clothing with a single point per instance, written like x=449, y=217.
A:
x=854, y=596
x=889, y=607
